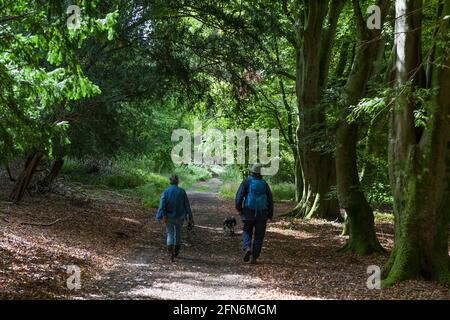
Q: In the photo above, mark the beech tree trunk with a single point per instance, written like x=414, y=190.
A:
x=419, y=160
x=24, y=179
x=343, y=60
x=299, y=181
x=361, y=229
x=312, y=63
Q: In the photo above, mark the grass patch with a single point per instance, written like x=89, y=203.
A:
x=280, y=192
x=232, y=178
x=202, y=188
x=189, y=175
x=228, y=189
x=383, y=217
x=283, y=191
x=133, y=178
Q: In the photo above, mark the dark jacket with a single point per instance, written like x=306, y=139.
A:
x=247, y=213
x=174, y=204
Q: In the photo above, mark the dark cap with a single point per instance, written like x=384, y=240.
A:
x=174, y=179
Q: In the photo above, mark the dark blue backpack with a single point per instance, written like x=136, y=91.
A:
x=256, y=199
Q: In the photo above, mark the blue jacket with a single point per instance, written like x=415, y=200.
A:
x=247, y=213
x=174, y=204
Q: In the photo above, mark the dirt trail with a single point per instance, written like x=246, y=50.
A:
x=300, y=260
x=121, y=252
x=209, y=267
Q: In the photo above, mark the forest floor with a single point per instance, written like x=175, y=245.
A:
x=120, y=250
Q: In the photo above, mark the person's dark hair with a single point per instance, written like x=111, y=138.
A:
x=256, y=175
x=174, y=179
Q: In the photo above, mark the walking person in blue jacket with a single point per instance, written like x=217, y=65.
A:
x=173, y=210
x=255, y=205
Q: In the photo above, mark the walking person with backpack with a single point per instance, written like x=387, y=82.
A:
x=173, y=210
x=254, y=203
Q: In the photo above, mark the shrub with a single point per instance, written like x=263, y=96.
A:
x=232, y=177
x=133, y=177
x=228, y=189
x=191, y=174
x=283, y=191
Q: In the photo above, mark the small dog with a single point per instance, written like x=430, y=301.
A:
x=228, y=225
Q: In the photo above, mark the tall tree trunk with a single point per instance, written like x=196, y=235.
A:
x=430, y=57
x=299, y=182
x=419, y=160
x=311, y=75
x=8, y=170
x=361, y=229
x=24, y=179
x=362, y=237
x=51, y=176
x=343, y=60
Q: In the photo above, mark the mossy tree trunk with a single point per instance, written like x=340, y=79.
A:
x=419, y=158
x=361, y=229
x=314, y=44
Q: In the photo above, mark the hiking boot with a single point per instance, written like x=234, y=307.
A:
x=253, y=261
x=177, y=251
x=247, y=255
x=171, y=252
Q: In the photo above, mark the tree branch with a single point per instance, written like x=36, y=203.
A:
x=286, y=74
x=361, y=25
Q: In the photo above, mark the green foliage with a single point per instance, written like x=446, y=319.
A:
x=120, y=176
x=381, y=217
x=40, y=72
x=189, y=175
x=150, y=192
x=232, y=178
x=375, y=181
x=286, y=171
x=202, y=188
x=231, y=173
x=380, y=193
x=283, y=191
x=367, y=106
x=132, y=176
x=373, y=164
x=228, y=189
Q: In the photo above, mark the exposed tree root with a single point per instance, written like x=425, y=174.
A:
x=29, y=223
x=362, y=249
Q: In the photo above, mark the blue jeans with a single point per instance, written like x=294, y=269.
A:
x=258, y=228
x=173, y=231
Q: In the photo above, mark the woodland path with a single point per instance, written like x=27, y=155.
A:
x=210, y=265
x=121, y=252
x=299, y=261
